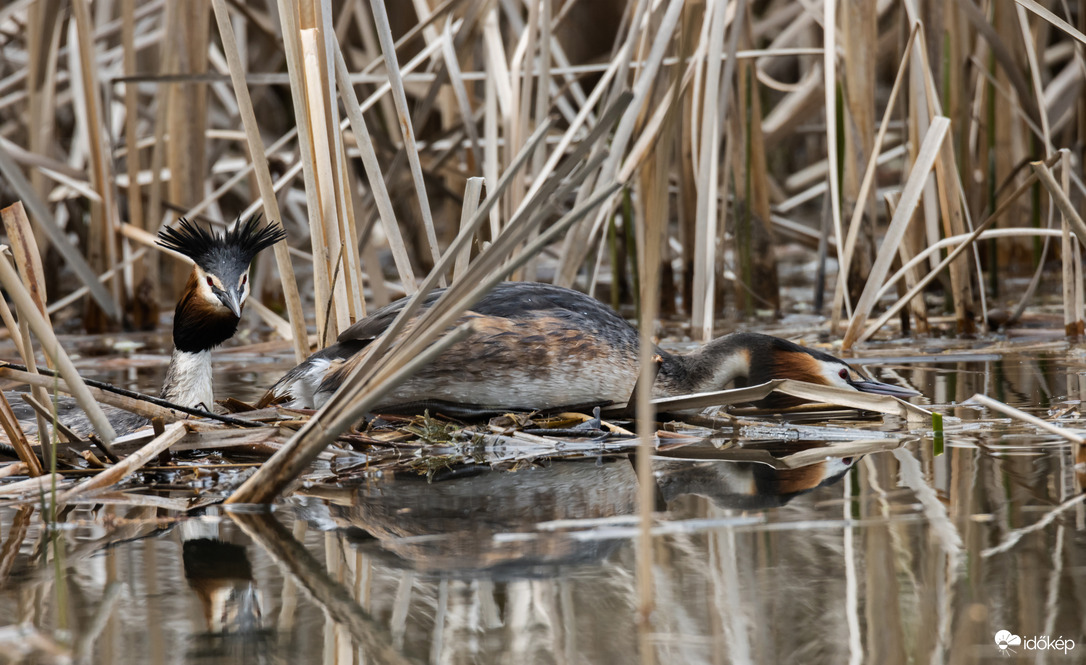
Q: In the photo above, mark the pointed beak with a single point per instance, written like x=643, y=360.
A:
x=232, y=299
x=880, y=388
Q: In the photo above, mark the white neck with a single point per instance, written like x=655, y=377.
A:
x=188, y=380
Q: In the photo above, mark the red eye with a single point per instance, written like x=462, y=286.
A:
x=210, y=282
x=244, y=278
x=843, y=374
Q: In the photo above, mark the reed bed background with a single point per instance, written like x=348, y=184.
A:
x=119, y=117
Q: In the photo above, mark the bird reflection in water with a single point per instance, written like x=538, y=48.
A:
x=527, y=521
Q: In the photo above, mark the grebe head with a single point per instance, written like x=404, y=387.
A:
x=209, y=309
x=760, y=358
x=221, y=273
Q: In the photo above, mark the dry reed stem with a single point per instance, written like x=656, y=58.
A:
x=39, y=485
x=102, y=241
x=1059, y=197
x=259, y=163
x=43, y=410
x=376, y=179
x=28, y=312
x=291, y=31
x=132, y=405
x=456, y=78
x=1018, y=414
x=24, y=248
x=347, y=275
x=953, y=241
x=10, y=424
x=579, y=243
x=472, y=191
x=14, y=178
x=918, y=288
x=703, y=308
x=845, y=256
x=829, y=89
x=146, y=270
x=654, y=190
x=910, y=198
x=1068, y=272
x=1047, y=15
x=130, y=464
x=328, y=263
x=403, y=115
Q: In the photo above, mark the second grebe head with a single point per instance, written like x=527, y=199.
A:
x=760, y=358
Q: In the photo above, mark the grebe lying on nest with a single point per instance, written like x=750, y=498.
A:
x=537, y=346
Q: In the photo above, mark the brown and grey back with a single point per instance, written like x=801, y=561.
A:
x=532, y=346
x=537, y=346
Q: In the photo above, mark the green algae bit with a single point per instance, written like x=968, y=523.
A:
x=937, y=428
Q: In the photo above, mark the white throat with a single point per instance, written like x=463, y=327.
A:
x=734, y=366
x=188, y=380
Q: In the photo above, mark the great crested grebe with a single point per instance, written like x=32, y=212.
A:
x=207, y=314
x=538, y=346
x=209, y=308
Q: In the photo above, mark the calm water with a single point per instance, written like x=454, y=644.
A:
x=917, y=551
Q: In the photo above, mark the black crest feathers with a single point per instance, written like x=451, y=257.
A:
x=222, y=254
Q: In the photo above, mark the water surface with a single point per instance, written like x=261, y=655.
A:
x=919, y=550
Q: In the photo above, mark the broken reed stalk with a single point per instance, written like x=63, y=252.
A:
x=10, y=424
x=24, y=305
x=1059, y=197
x=131, y=463
x=473, y=190
x=36, y=486
x=1018, y=414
